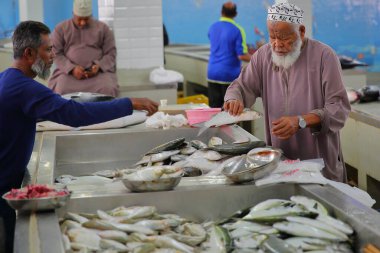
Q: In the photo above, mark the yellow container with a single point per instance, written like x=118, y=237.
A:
x=195, y=99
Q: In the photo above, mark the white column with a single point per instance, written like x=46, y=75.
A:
x=31, y=10
x=307, y=7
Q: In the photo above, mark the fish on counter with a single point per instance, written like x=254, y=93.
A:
x=274, y=225
x=224, y=118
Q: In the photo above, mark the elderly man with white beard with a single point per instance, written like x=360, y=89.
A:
x=300, y=83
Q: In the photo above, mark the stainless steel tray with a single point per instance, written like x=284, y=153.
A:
x=86, y=152
x=203, y=203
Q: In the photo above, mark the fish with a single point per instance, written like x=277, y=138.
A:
x=250, y=242
x=219, y=240
x=274, y=244
x=319, y=225
x=308, y=243
x=237, y=149
x=156, y=157
x=310, y=204
x=81, y=180
x=224, y=118
x=171, y=145
x=111, y=244
x=298, y=229
x=198, y=144
x=338, y=224
x=152, y=173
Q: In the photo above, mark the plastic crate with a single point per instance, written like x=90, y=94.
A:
x=195, y=99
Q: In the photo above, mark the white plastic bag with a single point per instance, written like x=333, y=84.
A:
x=165, y=121
x=296, y=171
x=163, y=76
x=354, y=192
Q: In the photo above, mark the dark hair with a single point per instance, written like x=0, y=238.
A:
x=27, y=34
x=229, y=10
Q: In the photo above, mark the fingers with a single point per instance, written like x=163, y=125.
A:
x=144, y=104
x=284, y=128
x=234, y=107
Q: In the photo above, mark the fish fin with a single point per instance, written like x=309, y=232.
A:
x=202, y=130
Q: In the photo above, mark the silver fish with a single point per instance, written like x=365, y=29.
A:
x=238, y=149
x=174, y=144
x=157, y=157
x=224, y=118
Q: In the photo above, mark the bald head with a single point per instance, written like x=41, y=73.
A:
x=229, y=10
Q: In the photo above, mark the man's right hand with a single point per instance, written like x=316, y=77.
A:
x=233, y=107
x=78, y=72
x=144, y=104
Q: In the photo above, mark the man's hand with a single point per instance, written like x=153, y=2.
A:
x=285, y=127
x=144, y=104
x=233, y=107
x=93, y=71
x=78, y=72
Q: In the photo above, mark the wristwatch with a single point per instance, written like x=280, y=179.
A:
x=301, y=122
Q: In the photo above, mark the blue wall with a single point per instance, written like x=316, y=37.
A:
x=187, y=21
x=55, y=11
x=349, y=27
x=9, y=17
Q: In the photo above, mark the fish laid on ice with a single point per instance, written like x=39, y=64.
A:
x=224, y=118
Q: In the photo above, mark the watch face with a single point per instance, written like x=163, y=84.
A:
x=301, y=122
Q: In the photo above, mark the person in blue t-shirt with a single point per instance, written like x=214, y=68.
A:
x=228, y=48
x=23, y=100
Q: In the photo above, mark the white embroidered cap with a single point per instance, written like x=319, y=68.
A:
x=285, y=12
x=82, y=8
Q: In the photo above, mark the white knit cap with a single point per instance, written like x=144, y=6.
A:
x=286, y=12
x=82, y=8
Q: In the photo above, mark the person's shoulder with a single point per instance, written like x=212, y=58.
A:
x=63, y=25
x=316, y=45
x=15, y=78
x=264, y=50
x=100, y=24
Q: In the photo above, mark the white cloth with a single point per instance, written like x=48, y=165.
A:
x=135, y=118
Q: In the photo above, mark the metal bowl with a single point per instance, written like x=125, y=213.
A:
x=257, y=164
x=38, y=204
x=162, y=184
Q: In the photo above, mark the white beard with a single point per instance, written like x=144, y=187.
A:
x=40, y=68
x=288, y=60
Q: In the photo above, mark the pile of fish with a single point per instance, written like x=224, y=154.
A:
x=296, y=225
x=195, y=158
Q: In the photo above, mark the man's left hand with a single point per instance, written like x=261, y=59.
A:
x=93, y=71
x=285, y=127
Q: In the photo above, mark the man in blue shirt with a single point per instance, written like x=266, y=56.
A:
x=228, y=48
x=23, y=100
